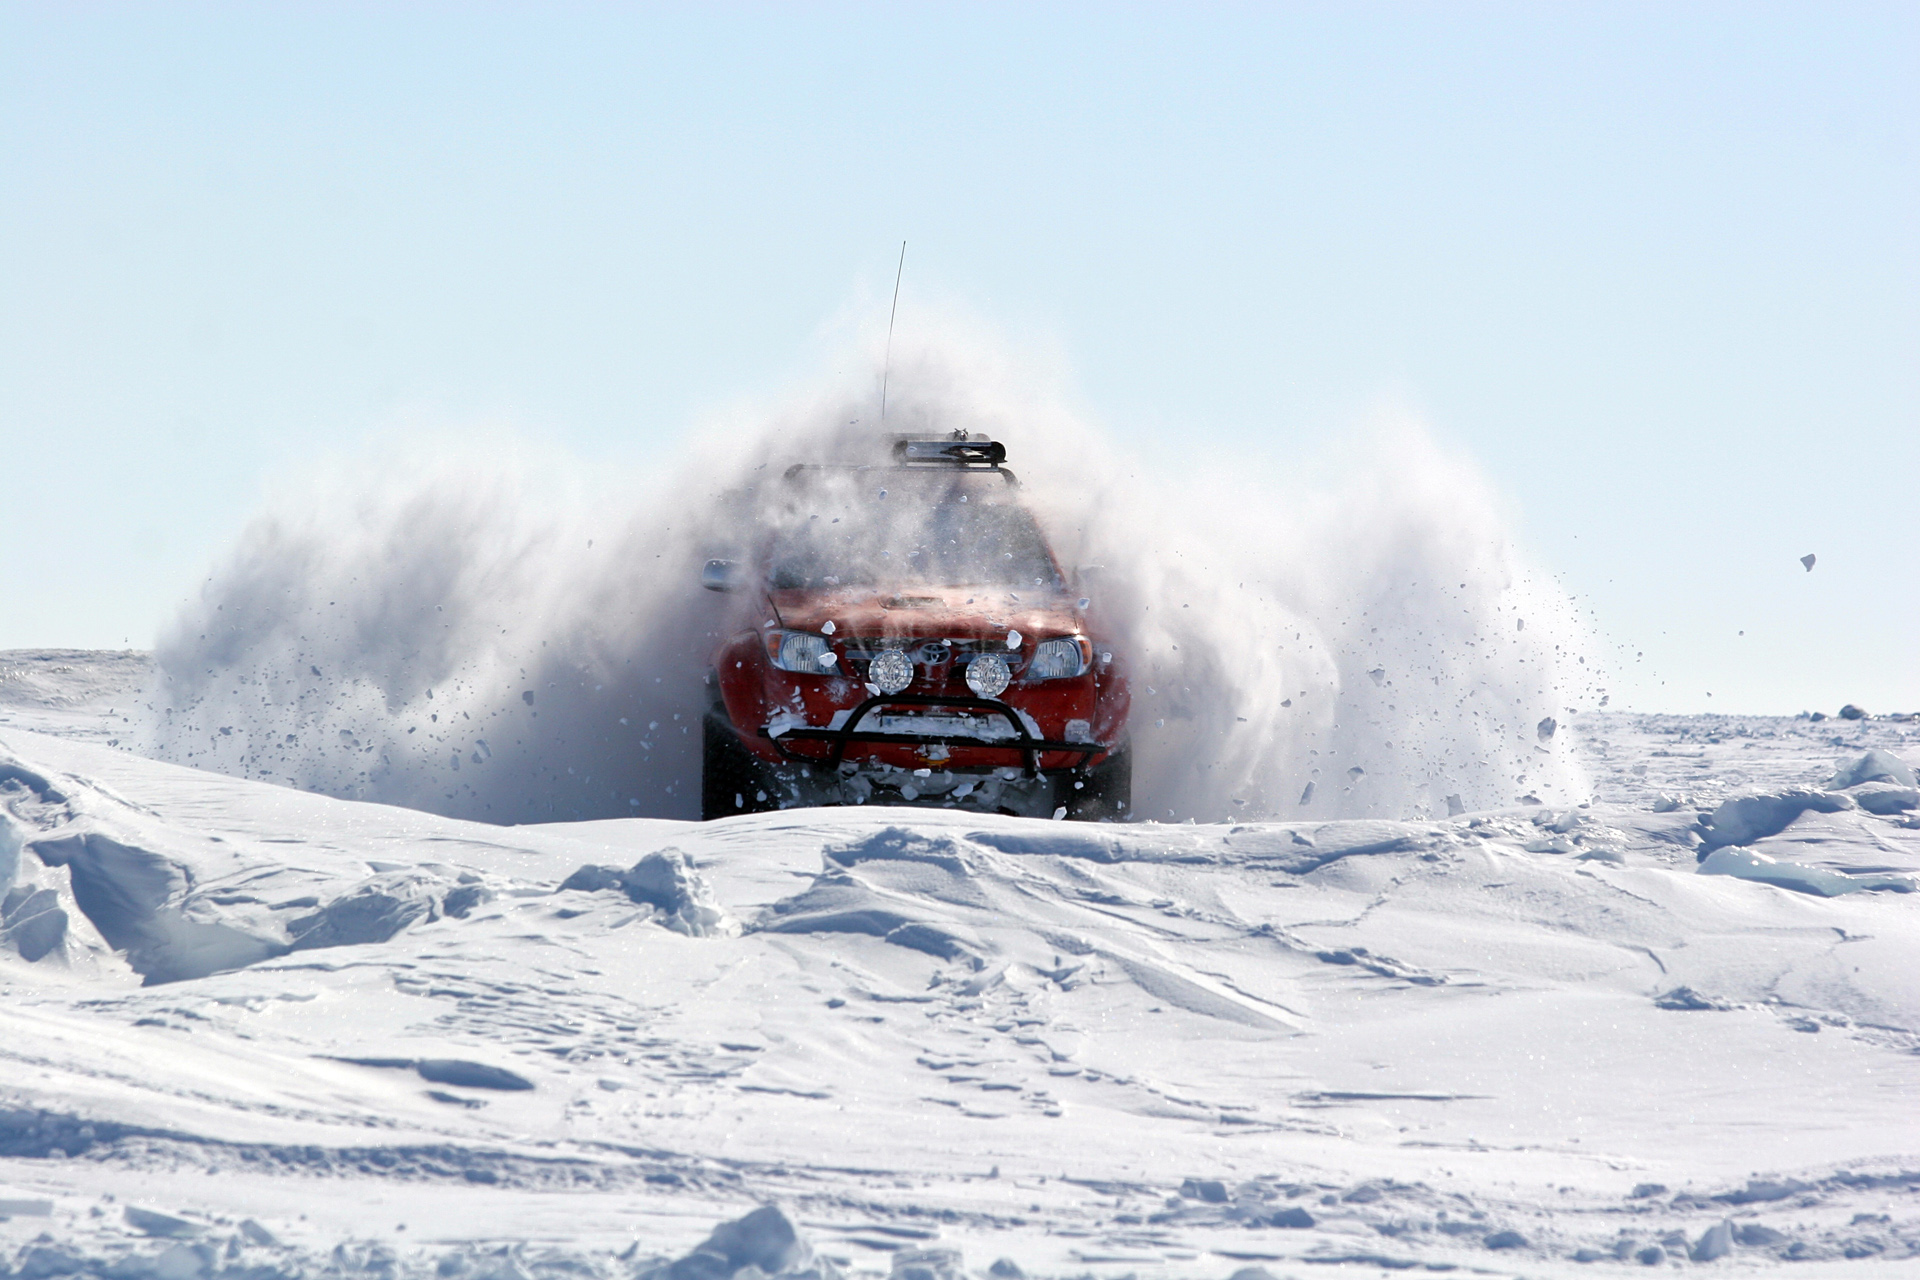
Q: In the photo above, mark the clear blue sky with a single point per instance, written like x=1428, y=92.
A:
x=1657, y=267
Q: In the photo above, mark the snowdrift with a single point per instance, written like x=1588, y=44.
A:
x=1518, y=1038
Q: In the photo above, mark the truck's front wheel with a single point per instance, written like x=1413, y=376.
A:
x=1105, y=791
x=730, y=778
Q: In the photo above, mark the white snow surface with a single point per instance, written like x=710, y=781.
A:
x=1534, y=1040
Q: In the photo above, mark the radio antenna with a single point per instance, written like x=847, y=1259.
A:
x=887, y=368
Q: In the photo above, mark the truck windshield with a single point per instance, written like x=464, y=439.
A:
x=909, y=538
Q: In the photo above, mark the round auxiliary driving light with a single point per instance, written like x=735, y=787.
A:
x=987, y=675
x=891, y=670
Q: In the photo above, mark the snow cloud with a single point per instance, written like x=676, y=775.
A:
x=475, y=630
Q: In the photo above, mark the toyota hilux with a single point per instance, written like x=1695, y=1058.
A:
x=903, y=634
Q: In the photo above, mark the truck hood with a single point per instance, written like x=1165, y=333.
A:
x=915, y=612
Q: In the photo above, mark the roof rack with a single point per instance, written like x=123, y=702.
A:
x=957, y=450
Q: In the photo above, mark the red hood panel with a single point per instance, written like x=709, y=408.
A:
x=977, y=614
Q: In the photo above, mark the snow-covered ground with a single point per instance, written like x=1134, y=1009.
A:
x=253, y=1032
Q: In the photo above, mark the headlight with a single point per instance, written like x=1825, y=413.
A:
x=987, y=675
x=799, y=651
x=891, y=670
x=1053, y=659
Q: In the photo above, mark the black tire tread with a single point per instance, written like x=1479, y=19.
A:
x=727, y=770
x=1108, y=790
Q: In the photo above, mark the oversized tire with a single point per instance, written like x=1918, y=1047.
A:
x=730, y=778
x=1106, y=790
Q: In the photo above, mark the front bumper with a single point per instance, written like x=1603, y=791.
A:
x=1022, y=742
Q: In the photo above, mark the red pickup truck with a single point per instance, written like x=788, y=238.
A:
x=903, y=634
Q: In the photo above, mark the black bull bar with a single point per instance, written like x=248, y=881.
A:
x=1024, y=742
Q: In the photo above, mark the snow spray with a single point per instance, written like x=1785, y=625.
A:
x=476, y=633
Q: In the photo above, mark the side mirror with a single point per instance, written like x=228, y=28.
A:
x=722, y=575
x=1088, y=575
